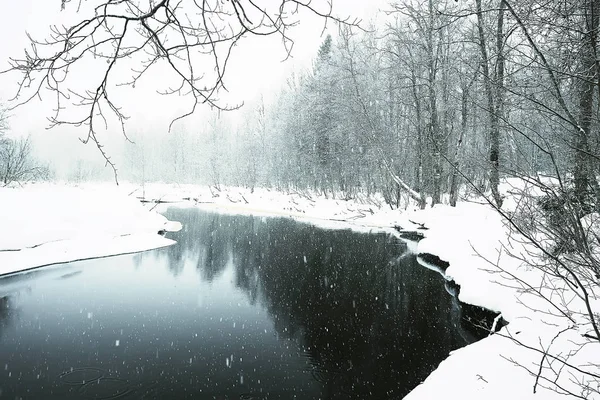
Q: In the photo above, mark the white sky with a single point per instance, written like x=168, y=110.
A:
x=256, y=68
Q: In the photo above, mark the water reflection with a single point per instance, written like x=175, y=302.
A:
x=7, y=313
x=241, y=307
x=367, y=319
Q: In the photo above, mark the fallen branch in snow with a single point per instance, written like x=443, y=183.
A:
x=157, y=201
x=537, y=378
x=544, y=356
x=31, y=247
x=419, y=224
x=304, y=194
x=213, y=194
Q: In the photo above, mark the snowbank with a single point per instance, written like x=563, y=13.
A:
x=485, y=257
x=503, y=366
x=495, y=268
x=362, y=214
x=45, y=224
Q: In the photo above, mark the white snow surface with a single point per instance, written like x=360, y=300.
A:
x=44, y=224
x=483, y=259
x=485, y=254
x=500, y=367
x=359, y=214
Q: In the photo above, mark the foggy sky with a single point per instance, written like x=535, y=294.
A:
x=256, y=68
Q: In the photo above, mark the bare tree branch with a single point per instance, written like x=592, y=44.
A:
x=184, y=35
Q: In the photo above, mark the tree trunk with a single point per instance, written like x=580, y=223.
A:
x=454, y=179
x=494, y=139
x=419, y=161
x=583, y=168
x=434, y=126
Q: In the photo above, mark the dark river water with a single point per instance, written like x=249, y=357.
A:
x=240, y=308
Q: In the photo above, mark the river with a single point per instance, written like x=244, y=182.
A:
x=241, y=307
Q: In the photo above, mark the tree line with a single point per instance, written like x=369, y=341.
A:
x=434, y=96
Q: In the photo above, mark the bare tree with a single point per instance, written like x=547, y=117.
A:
x=16, y=163
x=493, y=89
x=3, y=121
x=186, y=36
x=465, y=86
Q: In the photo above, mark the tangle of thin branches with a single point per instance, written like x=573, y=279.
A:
x=193, y=38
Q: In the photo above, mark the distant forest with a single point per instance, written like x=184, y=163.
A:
x=439, y=95
x=433, y=98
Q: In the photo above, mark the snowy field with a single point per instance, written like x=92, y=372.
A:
x=46, y=224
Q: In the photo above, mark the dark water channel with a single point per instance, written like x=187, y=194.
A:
x=241, y=308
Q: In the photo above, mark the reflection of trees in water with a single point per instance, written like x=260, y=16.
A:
x=364, y=319
x=248, y=244
x=7, y=313
x=205, y=239
x=216, y=242
x=371, y=323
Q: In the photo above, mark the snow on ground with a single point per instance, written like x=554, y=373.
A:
x=494, y=368
x=484, y=257
x=475, y=240
x=45, y=224
x=360, y=214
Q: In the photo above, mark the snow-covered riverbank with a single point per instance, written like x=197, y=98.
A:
x=487, y=261
x=363, y=214
x=44, y=224
x=490, y=264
